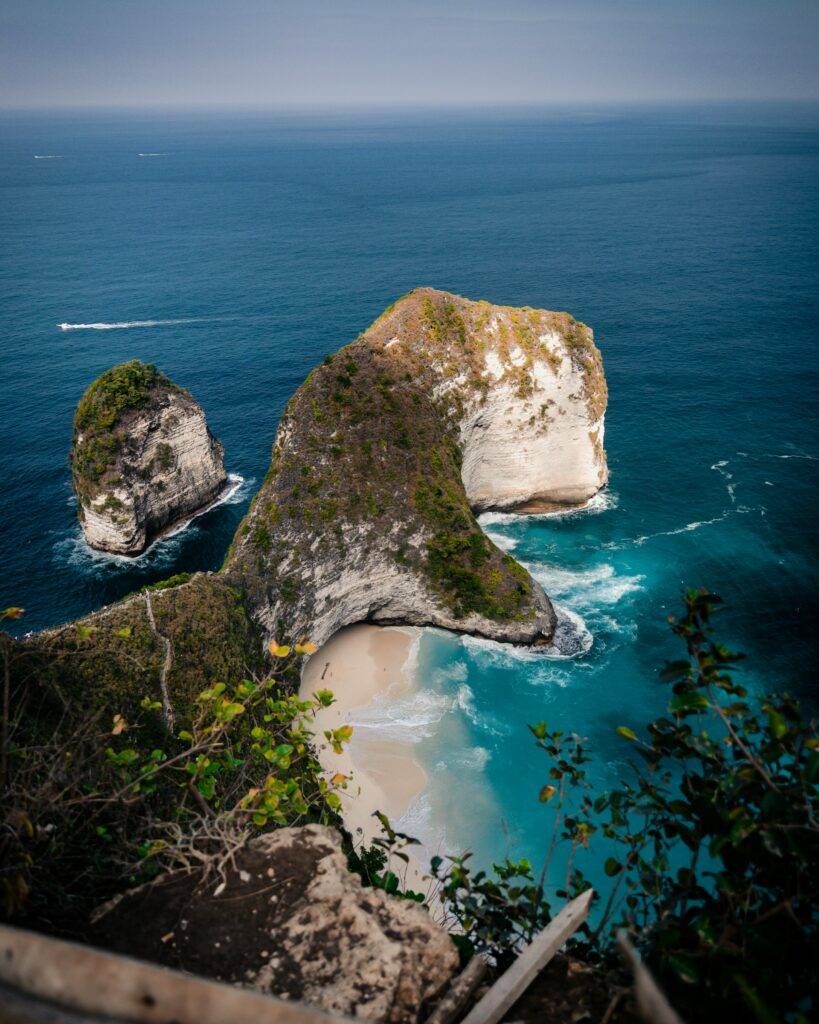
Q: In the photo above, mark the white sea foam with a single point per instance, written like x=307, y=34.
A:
x=122, y=325
x=409, y=719
x=572, y=637
x=153, y=154
x=688, y=528
x=550, y=673
x=465, y=703
x=457, y=672
x=48, y=156
x=417, y=821
x=586, y=589
x=497, y=653
x=600, y=502
x=721, y=468
x=697, y=524
x=501, y=540
x=163, y=551
x=474, y=759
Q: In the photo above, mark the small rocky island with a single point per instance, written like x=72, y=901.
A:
x=143, y=459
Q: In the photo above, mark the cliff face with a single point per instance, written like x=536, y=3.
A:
x=143, y=458
x=443, y=407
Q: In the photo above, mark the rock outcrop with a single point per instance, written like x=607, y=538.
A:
x=287, y=918
x=442, y=408
x=142, y=460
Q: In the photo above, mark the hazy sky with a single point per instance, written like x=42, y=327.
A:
x=379, y=52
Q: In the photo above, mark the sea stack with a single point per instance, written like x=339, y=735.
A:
x=142, y=459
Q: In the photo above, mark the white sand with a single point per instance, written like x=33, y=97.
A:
x=357, y=665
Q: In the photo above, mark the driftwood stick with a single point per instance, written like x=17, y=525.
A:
x=89, y=982
x=459, y=992
x=652, y=1004
x=510, y=986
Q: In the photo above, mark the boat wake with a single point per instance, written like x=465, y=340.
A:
x=123, y=325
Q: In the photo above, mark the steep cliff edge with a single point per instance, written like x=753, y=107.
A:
x=442, y=408
x=142, y=458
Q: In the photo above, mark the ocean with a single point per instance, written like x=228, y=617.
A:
x=236, y=250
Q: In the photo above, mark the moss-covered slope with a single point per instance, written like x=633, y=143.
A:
x=110, y=661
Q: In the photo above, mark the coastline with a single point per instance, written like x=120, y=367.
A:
x=358, y=664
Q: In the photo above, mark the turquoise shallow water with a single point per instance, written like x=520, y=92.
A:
x=249, y=246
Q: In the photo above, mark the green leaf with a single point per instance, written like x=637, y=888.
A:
x=613, y=867
x=547, y=793
x=690, y=701
x=626, y=733
x=777, y=724
x=675, y=670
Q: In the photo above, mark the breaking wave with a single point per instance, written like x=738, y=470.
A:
x=48, y=156
x=572, y=636
x=589, y=590
x=415, y=716
x=409, y=719
x=600, y=502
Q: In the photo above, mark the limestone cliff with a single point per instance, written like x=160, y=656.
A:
x=443, y=407
x=142, y=460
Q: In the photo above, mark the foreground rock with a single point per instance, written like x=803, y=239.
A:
x=289, y=919
x=142, y=460
x=442, y=408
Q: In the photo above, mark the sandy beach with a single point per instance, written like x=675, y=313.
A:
x=358, y=664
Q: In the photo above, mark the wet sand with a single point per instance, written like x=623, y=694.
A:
x=357, y=665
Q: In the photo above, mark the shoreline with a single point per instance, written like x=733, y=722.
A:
x=359, y=664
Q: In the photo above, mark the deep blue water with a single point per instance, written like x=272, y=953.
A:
x=687, y=237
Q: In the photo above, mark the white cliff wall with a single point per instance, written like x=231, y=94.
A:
x=547, y=446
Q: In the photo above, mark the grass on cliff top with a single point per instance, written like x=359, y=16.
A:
x=115, y=392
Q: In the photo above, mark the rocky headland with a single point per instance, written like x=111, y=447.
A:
x=142, y=459
x=442, y=409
